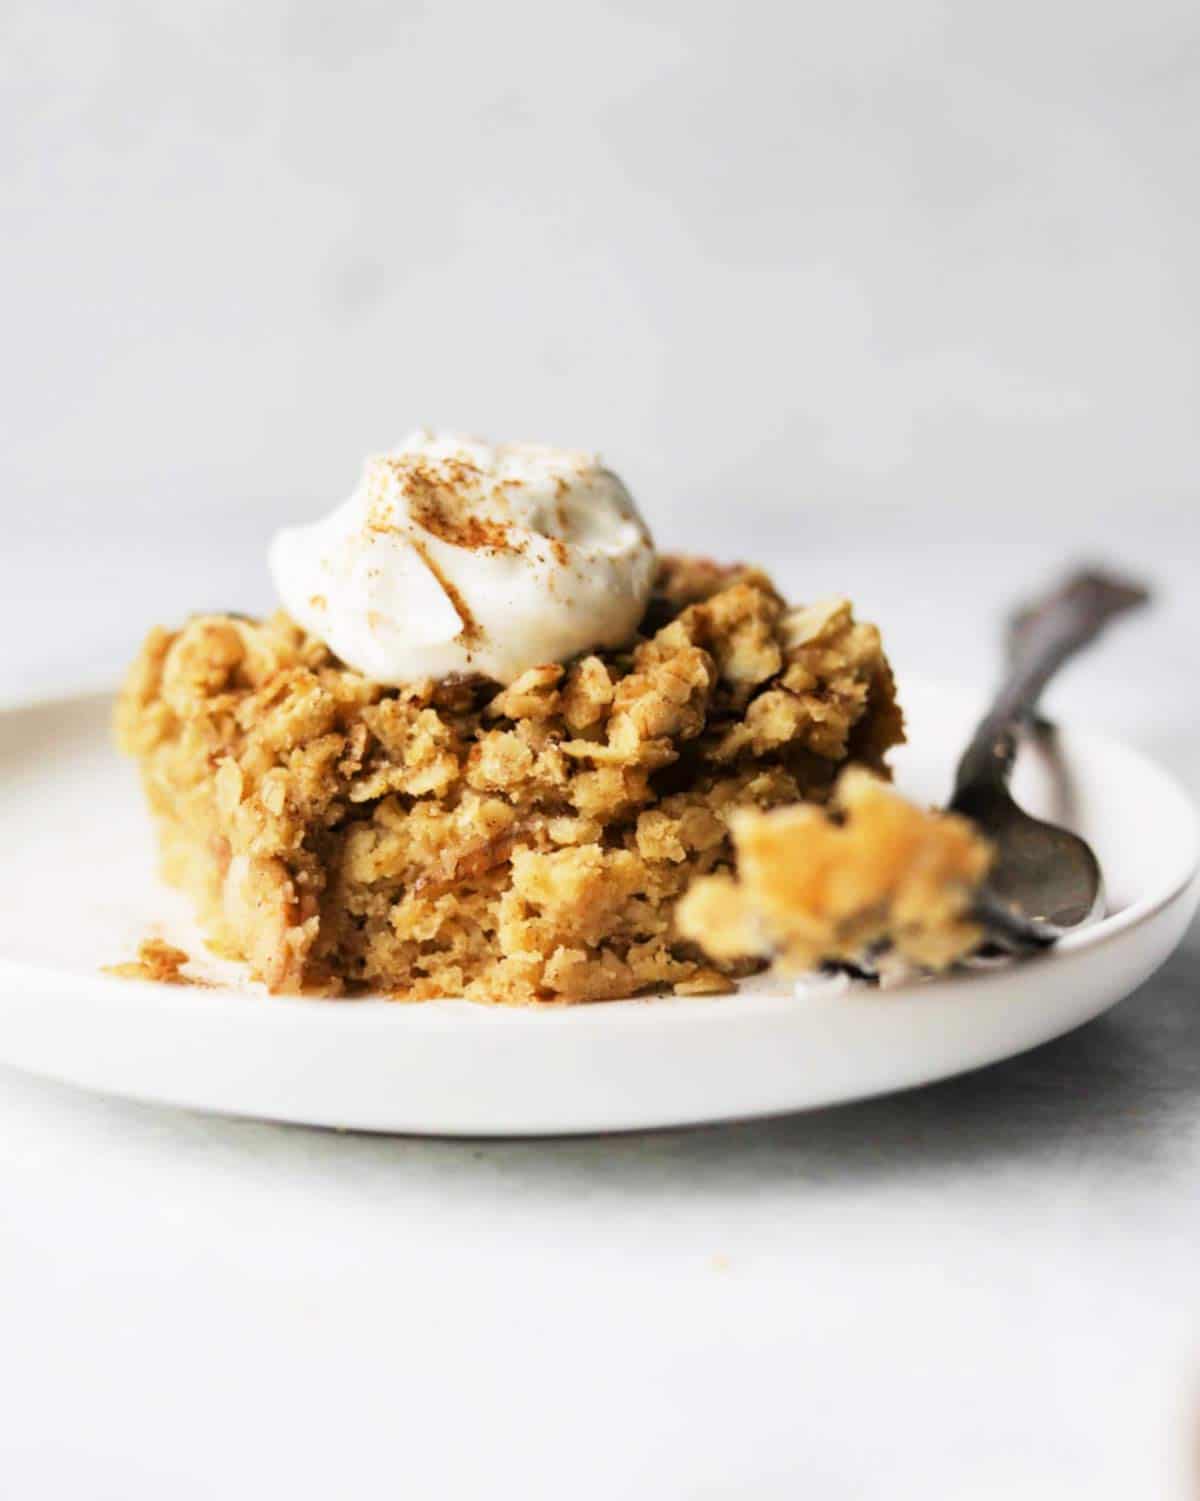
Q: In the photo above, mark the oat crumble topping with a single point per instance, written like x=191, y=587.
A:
x=520, y=845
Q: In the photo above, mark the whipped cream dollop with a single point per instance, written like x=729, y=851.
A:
x=459, y=556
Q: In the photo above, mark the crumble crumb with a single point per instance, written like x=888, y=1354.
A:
x=156, y=960
x=816, y=885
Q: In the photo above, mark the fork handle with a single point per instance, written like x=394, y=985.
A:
x=1042, y=636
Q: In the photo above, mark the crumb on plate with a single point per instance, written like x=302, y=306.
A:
x=156, y=960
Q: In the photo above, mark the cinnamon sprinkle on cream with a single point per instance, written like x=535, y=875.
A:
x=471, y=632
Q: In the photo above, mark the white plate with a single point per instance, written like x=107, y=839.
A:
x=77, y=892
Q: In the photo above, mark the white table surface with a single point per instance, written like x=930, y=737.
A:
x=989, y=1288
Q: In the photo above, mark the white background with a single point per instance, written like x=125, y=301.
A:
x=900, y=298
x=777, y=255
